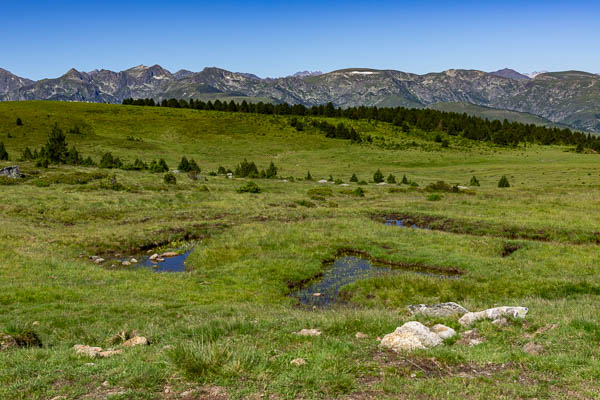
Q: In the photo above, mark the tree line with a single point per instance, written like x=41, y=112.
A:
x=453, y=124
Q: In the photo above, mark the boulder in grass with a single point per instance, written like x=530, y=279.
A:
x=412, y=335
x=493, y=314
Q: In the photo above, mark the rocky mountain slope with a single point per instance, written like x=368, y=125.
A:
x=571, y=98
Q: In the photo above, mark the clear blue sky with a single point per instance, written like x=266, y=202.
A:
x=276, y=38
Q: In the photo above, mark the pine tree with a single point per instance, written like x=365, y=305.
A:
x=308, y=176
x=503, y=183
x=391, y=179
x=378, y=176
x=3, y=152
x=354, y=178
x=184, y=165
x=56, y=149
x=27, y=155
x=404, y=180
x=19, y=122
x=271, y=171
x=474, y=181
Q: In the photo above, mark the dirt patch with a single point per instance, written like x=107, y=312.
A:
x=430, y=367
x=479, y=228
x=510, y=248
x=418, y=267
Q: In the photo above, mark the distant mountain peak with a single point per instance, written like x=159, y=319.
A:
x=510, y=74
x=304, y=74
x=533, y=74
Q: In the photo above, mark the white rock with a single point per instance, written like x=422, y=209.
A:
x=99, y=260
x=133, y=261
x=136, y=341
x=126, y=263
x=438, y=310
x=493, y=313
x=94, y=352
x=309, y=332
x=381, y=184
x=153, y=257
x=443, y=331
x=360, y=335
x=344, y=184
x=323, y=181
x=410, y=336
x=298, y=362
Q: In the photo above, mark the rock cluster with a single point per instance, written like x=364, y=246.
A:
x=414, y=335
x=11, y=172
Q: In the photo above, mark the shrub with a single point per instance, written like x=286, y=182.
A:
x=110, y=161
x=137, y=165
x=404, y=180
x=503, y=182
x=249, y=187
x=438, y=138
x=474, y=181
x=338, y=181
x=445, y=143
x=27, y=155
x=434, y=197
x=221, y=171
x=378, y=176
x=319, y=193
x=203, y=188
x=391, y=179
x=354, y=178
x=271, y=171
x=330, y=179
x=170, y=178
x=308, y=176
x=306, y=203
x=246, y=170
x=158, y=167
x=440, y=186
x=19, y=122
x=42, y=162
x=3, y=152
x=359, y=192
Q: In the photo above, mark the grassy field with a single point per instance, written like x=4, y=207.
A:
x=224, y=328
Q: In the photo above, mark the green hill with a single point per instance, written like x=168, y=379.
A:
x=227, y=326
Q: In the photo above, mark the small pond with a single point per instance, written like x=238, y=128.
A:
x=170, y=264
x=344, y=271
x=400, y=223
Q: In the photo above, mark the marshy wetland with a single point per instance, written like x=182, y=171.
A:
x=224, y=327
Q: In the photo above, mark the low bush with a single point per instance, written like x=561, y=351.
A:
x=391, y=179
x=434, y=197
x=319, y=193
x=170, y=178
x=354, y=178
x=474, y=181
x=306, y=203
x=249, y=187
x=441, y=186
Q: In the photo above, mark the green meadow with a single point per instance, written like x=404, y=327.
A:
x=224, y=328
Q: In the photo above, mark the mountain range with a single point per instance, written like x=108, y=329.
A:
x=570, y=98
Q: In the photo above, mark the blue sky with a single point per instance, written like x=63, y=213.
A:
x=277, y=38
